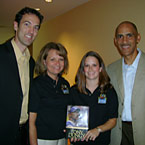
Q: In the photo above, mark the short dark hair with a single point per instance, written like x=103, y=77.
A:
x=126, y=22
x=27, y=10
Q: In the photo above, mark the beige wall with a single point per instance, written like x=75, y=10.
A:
x=91, y=27
x=6, y=33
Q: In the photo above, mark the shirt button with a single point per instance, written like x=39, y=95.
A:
x=90, y=94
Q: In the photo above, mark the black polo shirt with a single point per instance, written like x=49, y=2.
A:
x=49, y=100
x=99, y=113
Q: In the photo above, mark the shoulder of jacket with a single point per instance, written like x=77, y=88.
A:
x=116, y=63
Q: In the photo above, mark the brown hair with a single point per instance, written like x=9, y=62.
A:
x=40, y=67
x=80, y=79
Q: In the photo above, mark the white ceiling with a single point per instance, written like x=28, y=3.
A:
x=8, y=8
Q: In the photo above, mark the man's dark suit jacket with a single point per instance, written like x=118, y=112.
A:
x=10, y=94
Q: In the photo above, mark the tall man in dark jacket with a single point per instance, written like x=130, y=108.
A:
x=16, y=74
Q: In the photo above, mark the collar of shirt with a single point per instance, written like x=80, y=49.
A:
x=52, y=81
x=18, y=52
x=89, y=92
x=134, y=64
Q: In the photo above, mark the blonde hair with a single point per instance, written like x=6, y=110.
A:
x=40, y=68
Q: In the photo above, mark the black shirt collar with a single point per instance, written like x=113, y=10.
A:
x=89, y=93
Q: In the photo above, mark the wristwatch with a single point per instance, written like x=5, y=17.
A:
x=99, y=129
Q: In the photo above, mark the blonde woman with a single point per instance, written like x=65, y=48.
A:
x=49, y=97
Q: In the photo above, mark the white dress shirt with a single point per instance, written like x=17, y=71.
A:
x=129, y=72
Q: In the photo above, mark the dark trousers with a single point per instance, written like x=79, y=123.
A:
x=127, y=134
x=22, y=137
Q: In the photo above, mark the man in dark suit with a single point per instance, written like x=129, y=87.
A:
x=15, y=77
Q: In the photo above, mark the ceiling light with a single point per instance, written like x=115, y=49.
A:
x=48, y=1
x=38, y=9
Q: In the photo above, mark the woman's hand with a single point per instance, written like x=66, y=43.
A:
x=91, y=134
x=74, y=139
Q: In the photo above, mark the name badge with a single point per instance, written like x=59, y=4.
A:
x=64, y=89
x=102, y=99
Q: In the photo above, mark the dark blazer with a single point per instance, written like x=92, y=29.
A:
x=10, y=93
